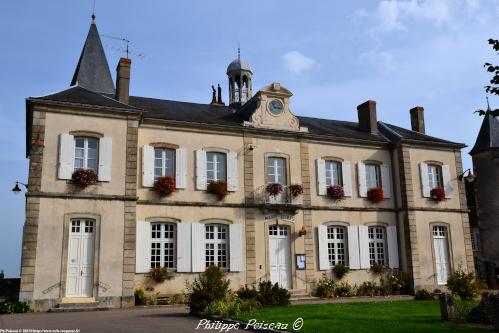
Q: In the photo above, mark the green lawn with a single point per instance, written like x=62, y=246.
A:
x=372, y=317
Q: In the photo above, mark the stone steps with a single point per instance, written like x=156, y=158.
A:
x=78, y=307
x=300, y=295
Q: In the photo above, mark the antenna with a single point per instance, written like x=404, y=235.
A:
x=126, y=50
x=93, y=12
x=239, y=51
x=488, y=105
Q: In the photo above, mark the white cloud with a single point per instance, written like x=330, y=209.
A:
x=297, y=63
x=381, y=60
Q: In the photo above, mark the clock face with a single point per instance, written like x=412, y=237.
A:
x=275, y=107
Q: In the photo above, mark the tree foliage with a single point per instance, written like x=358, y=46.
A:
x=493, y=88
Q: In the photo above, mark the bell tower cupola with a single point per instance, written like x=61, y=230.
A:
x=240, y=81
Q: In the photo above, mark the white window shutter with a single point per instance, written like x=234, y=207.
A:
x=386, y=181
x=447, y=181
x=236, y=247
x=180, y=168
x=147, y=166
x=321, y=177
x=183, y=247
x=105, y=159
x=200, y=170
x=66, y=156
x=347, y=178
x=323, y=254
x=232, y=171
x=143, y=247
x=361, y=172
x=393, y=249
x=198, y=247
x=353, y=247
x=425, y=182
x=364, y=247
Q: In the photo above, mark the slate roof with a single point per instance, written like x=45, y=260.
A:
x=206, y=114
x=488, y=136
x=92, y=71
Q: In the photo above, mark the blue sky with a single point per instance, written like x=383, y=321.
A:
x=331, y=55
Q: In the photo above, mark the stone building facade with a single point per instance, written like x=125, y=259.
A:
x=98, y=243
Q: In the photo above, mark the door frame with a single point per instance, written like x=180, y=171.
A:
x=449, y=250
x=65, y=246
x=292, y=237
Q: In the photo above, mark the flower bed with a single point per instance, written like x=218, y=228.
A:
x=84, y=177
x=164, y=186
x=375, y=195
x=218, y=188
x=336, y=192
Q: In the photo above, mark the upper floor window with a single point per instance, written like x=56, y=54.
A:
x=216, y=245
x=333, y=173
x=86, y=153
x=163, y=236
x=276, y=170
x=373, y=176
x=376, y=245
x=336, y=245
x=435, y=176
x=164, y=163
x=216, y=166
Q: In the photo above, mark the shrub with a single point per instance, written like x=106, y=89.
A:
x=423, y=295
x=164, y=186
x=370, y=289
x=375, y=195
x=218, y=188
x=272, y=295
x=14, y=306
x=274, y=189
x=377, y=268
x=343, y=289
x=208, y=287
x=325, y=287
x=232, y=308
x=340, y=271
x=247, y=293
x=395, y=283
x=139, y=296
x=84, y=177
x=336, y=192
x=462, y=309
x=465, y=285
x=438, y=194
x=178, y=299
x=159, y=274
x=295, y=190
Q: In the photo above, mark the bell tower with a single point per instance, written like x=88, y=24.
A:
x=240, y=81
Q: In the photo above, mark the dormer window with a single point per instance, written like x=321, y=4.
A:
x=434, y=176
x=215, y=167
x=373, y=176
x=86, y=153
x=164, y=163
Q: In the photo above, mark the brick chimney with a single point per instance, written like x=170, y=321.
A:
x=417, y=119
x=367, y=117
x=123, y=80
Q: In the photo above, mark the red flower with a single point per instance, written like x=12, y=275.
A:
x=336, y=192
x=438, y=194
x=274, y=189
x=219, y=188
x=375, y=195
x=164, y=186
x=295, y=190
x=84, y=177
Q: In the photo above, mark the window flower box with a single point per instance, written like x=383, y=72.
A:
x=274, y=189
x=438, y=194
x=164, y=186
x=295, y=190
x=375, y=195
x=84, y=177
x=336, y=192
x=218, y=188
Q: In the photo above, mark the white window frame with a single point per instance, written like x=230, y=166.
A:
x=333, y=177
x=164, y=159
x=377, y=245
x=163, y=243
x=215, y=164
x=377, y=180
x=85, y=153
x=337, y=247
x=274, y=172
x=217, y=244
x=435, y=179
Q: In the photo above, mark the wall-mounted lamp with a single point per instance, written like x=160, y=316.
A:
x=469, y=178
x=302, y=231
x=251, y=147
x=17, y=189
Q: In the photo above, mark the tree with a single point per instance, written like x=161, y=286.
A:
x=493, y=88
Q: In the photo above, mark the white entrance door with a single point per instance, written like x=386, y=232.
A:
x=80, y=259
x=279, y=255
x=441, y=247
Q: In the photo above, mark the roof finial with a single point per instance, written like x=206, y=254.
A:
x=239, y=51
x=488, y=106
x=93, y=13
